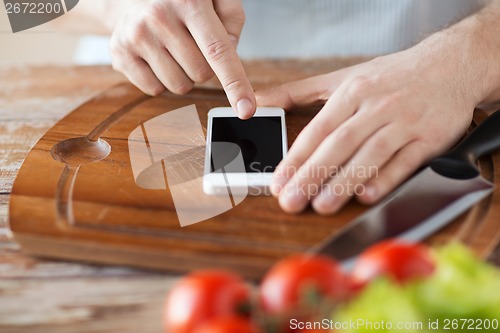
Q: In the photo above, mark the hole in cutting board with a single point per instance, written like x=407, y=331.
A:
x=78, y=151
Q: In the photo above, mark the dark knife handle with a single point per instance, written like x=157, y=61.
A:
x=460, y=162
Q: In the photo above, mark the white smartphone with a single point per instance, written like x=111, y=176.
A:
x=241, y=155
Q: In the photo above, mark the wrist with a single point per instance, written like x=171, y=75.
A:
x=487, y=37
x=466, y=57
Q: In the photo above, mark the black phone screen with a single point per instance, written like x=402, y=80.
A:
x=259, y=139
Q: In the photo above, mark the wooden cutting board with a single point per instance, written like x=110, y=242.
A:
x=75, y=201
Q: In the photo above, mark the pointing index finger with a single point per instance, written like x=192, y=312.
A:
x=220, y=52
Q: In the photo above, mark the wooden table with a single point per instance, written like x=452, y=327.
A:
x=39, y=295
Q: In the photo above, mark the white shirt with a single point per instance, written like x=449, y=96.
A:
x=320, y=28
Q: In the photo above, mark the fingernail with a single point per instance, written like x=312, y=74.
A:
x=245, y=108
x=291, y=200
x=325, y=204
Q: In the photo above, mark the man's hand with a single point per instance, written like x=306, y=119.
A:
x=386, y=117
x=381, y=121
x=170, y=44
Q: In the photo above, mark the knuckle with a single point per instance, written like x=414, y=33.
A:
x=118, y=52
x=114, y=47
x=191, y=7
x=155, y=12
x=381, y=144
x=411, y=117
x=181, y=88
x=239, y=15
x=118, y=60
x=394, y=100
x=233, y=84
x=377, y=111
x=190, y=2
x=155, y=90
x=428, y=146
x=411, y=158
x=303, y=136
x=406, y=165
x=389, y=103
x=236, y=15
x=345, y=134
x=358, y=87
x=320, y=128
x=116, y=65
x=289, y=102
x=217, y=50
x=137, y=34
x=383, y=106
x=203, y=75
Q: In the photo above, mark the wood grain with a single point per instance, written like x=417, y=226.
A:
x=115, y=221
x=87, y=205
x=39, y=295
x=43, y=95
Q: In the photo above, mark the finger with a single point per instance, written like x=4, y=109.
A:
x=302, y=92
x=364, y=165
x=216, y=46
x=336, y=111
x=330, y=154
x=138, y=73
x=183, y=49
x=398, y=169
x=167, y=70
x=232, y=16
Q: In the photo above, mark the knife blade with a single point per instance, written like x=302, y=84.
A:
x=447, y=187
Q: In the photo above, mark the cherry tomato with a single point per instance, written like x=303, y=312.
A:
x=288, y=282
x=231, y=324
x=202, y=296
x=354, y=286
x=396, y=259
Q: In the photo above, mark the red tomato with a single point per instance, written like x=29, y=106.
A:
x=202, y=296
x=290, y=279
x=354, y=286
x=396, y=259
x=231, y=324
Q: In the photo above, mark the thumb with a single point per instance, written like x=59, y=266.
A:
x=302, y=92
